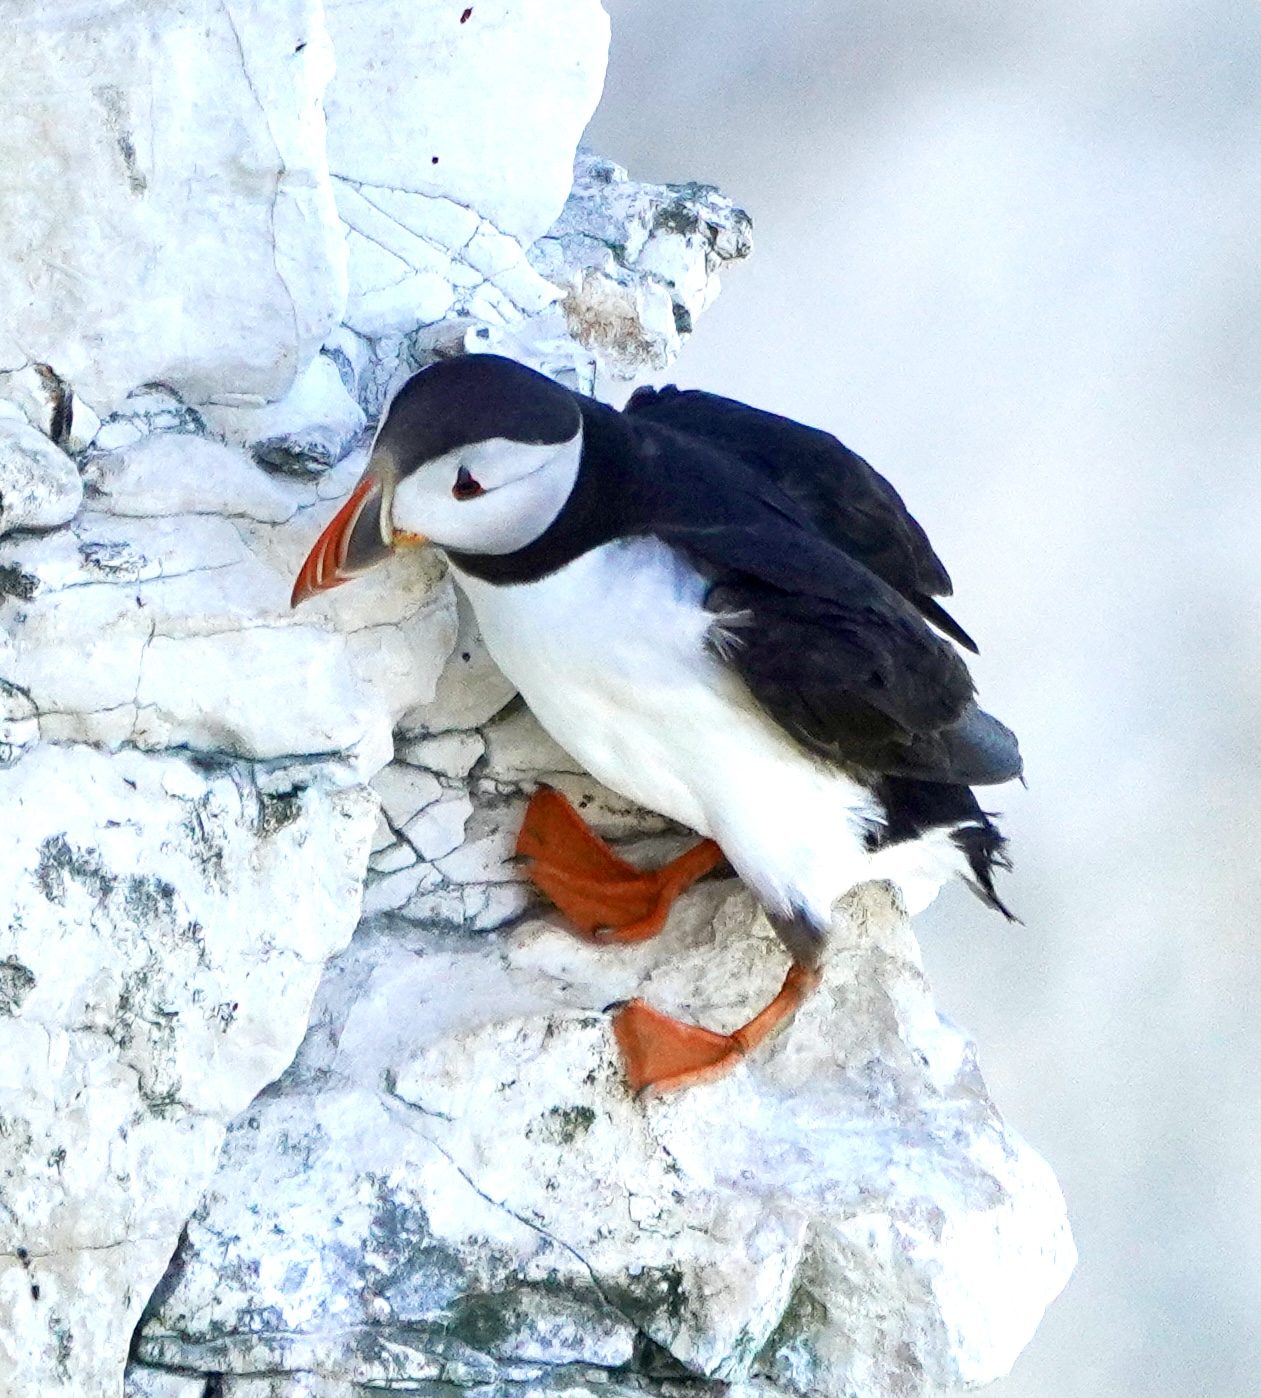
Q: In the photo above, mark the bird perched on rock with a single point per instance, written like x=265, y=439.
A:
x=724, y=615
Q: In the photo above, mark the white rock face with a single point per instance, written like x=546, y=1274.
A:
x=167, y=207
x=638, y=262
x=39, y=484
x=309, y=430
x=453, y=1185
x=152, y=1383
x=180, y=570
x=476, y=111
x=162, y=931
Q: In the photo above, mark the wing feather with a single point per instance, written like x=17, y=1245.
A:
x=848, y=501
x=839, y=660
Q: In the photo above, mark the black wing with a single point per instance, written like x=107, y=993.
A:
x=849, y=502
x=840, y=660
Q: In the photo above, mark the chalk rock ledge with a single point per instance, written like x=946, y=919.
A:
x=451, y=1190
x=164, y=928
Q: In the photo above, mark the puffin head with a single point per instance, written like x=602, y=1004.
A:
x=477, y=454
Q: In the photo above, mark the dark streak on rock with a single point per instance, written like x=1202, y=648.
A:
x=109, y=559
x=62, y=397
x=161, y=1294
x=655, y=1299
x=678, y=217
x=114, y=103
x=16, y=983
x=292, y=456
x=804, y=1315
x=279, y=812
x=150, y=900
x=143, y=900
x=562, y=1126
x=15, y=583
x=204, y=841
x=60, y=863
x=64, y=1341
x=654, y=1361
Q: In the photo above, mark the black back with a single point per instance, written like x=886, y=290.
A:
x=847, y=499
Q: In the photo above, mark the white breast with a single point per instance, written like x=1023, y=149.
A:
x=609, y=652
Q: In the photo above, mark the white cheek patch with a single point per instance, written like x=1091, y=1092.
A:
x=524, y=488
x=416, y=497
x=499, y=462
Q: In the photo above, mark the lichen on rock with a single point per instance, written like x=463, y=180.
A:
x=150, y=985
x=638, y=263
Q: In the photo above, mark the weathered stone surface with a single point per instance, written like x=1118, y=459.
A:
x=152, y=1383
x=310, y=429
x=162, y=931
x=471, y=689
x=147, y=409
x=49, y=405
x=638, y=262
x=181, y=567
x=168, y=210
x=39, y=484
x=19, y=725
x=452, y=1184
x=442, y=194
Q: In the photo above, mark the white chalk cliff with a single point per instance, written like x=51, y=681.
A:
x=301, y=1092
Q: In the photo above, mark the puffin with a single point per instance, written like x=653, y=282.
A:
x=724, y=615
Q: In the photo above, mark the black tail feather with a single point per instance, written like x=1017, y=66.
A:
x=943, y=621
x=912, y=808
x=985, y=849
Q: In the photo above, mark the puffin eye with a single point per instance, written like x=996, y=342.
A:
x=465, y=487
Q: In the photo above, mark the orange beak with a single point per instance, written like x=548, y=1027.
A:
x=353, y=542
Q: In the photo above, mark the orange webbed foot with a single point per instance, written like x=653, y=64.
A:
x=662, y=1054
x=606, y=898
